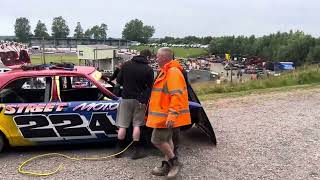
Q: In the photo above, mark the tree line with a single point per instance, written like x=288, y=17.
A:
x=134, y=30
x=186, y=40
x=281, y=46
x=297, y=47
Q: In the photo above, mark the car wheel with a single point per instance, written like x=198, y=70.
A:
x=1, y=142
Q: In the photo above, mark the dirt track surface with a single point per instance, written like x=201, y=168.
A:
x=272, y=136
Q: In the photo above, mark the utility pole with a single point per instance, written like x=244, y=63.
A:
x=43, y=56
x=231, y=72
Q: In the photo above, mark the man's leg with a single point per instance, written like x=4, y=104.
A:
x=137, y=122
x=122, y=133
x=123, y=122
x=121, y=141
x=136, y=134
x=161, y=139
x=174, y=164
x=176, y=140
x=166, y=149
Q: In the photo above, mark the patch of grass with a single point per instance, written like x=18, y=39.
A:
x=37, y=59
x=178, y=52
x=214, y=96
x=303, y=76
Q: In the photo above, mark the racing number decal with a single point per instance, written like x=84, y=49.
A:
x=33, y=126
x=98, y=123
x=69, y=129
x=64, y=125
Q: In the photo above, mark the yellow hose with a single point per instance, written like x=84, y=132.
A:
x=25, y=172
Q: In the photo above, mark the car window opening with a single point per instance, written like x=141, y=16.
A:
x=27, y=90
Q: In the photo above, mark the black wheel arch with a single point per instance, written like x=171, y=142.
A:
x=5, y=139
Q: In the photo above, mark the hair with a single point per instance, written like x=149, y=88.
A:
x=146, y=53
x=165, y=51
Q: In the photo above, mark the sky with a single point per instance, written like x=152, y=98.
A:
x=176, y=18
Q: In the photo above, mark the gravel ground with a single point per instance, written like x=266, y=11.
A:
x=271, y=136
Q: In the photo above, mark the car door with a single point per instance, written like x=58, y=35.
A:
x=88, y=114
x=26, y=104
x=199, y=116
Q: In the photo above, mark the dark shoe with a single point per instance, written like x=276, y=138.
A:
x=162, y=170
x=175, y=167
x=120, y=147
x=138, y=151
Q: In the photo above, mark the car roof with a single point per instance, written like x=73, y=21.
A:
x=17, y=73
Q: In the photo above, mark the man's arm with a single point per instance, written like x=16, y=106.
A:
x=120, y=77
x=115, y=74
x=145, y=95
x=176, y=88
x=150, y=78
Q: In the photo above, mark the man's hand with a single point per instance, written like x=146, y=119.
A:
x=169, y=123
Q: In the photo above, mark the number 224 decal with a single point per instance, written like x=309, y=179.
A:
x=64, y=126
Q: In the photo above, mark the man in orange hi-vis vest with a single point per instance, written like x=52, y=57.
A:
x=168, y=109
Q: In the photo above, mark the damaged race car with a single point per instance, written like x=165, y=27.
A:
x=63, y=104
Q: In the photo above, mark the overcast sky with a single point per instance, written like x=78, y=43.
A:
x=177, y=18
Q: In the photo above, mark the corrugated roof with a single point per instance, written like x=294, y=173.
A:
x=98, y=46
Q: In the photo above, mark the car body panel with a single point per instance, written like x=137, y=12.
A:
x=57, y=122
x=18, y=125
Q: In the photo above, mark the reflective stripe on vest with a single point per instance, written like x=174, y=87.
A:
x=166, y=91
x=183, y=111
x=158, y=114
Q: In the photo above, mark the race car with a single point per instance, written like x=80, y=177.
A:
x=41, y=105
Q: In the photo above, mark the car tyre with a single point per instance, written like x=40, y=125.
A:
x=1, y=142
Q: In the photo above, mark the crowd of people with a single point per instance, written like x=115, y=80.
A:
x=141, y=96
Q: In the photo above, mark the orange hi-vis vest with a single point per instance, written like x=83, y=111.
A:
x=169, y=98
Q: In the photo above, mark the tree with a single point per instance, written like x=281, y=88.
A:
x=22, y=29
x=97, y=32
x=41, y=30
x=88, y=34
x=167, y=39
x=206, y=40
x=147, y=32
x=103, y=31
x=59, y=28
x=78, y=31
x=191, y=40
x=314, y=55
x=136, y=31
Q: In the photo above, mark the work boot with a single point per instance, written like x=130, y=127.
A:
x=138, y=151
x=120, y=147
x=162, y=170
x=175, y=167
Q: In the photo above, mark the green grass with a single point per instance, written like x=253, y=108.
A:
x=37, y=59
x=178, y=52
x=309, y=75
x=215, y=96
